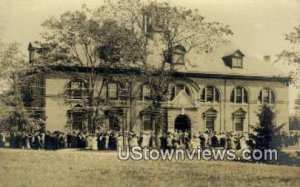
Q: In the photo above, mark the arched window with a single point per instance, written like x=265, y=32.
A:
x=145, y=93
x=177, y=88
x=114, y=91
x=77, y=89
x=210, y=94
x=266, y=96
x=239, y=95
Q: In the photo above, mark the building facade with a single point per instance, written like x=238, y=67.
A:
x=222, y=93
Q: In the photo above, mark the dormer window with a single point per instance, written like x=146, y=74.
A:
x=175, y=55
x=237, y=62
x=178, y=54
x=234, y=60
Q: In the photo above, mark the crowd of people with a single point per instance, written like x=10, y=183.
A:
x=111, y=140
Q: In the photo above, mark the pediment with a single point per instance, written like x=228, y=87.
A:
x=183, y=100
x=240, y=111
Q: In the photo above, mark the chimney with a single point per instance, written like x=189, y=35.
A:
x=31, y=52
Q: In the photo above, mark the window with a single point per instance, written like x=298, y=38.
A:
x=239, y=95
x=209, y=119
x=210, y=94
x=266, y=96
x=77, y=117
x=112, y=91
x=147, y=122
x=210, y=123
x=145, y=93
x=77, y=120
x=239, y=123
x=238, y=119
x=77, y=89
x=147, y=21
x=237, y=62
x=114, y=123
x=178, y=54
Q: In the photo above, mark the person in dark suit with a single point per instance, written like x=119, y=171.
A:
x=48, y=141
x=69, y=137
x=2, y=139
x=102, y=141
x=74, y=142
x=214, y=140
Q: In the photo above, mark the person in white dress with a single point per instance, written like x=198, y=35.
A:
x=134, y=141
x=88, y=142
x=146, y=138
x=120, y=141
x=206, y=137
x=195, y=141
x=243, y=142
x=106, y=141
x=94, y=142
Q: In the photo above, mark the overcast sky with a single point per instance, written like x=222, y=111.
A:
x=258, y=25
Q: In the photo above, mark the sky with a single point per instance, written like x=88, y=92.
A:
x=258, y=25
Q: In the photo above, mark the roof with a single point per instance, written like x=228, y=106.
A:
x=213, y=63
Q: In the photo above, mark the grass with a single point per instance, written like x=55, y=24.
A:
x=87, y=168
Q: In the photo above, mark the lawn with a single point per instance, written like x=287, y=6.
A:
x=87, y=168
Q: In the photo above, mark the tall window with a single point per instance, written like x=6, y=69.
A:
x=145, y=93
x=147, y=122
x=77, y=120
x=177, y=88
x=238, y=119
x=210, y=94
x=112, y=91
x=239, y=123
x=210, y=123
x=266, y=96
x=114, y=123
x=77, y=117
x=76, y=89
x=209, y=118
x=239, y=95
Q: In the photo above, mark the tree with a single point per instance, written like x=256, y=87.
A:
x=13, y=73
x=128, y=34
x=291, y=56
x=163, y=29
x=87, y=39
x=266, y=135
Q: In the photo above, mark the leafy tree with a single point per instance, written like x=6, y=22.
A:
x=161, y=30
x=128, y=34
x=291, y=56
x=13, y=74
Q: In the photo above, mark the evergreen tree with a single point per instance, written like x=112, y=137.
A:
x=266, y=135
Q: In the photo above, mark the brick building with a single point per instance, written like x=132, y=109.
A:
x=220, y=91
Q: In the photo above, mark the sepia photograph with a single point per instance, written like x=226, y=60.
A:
x=149, y=93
